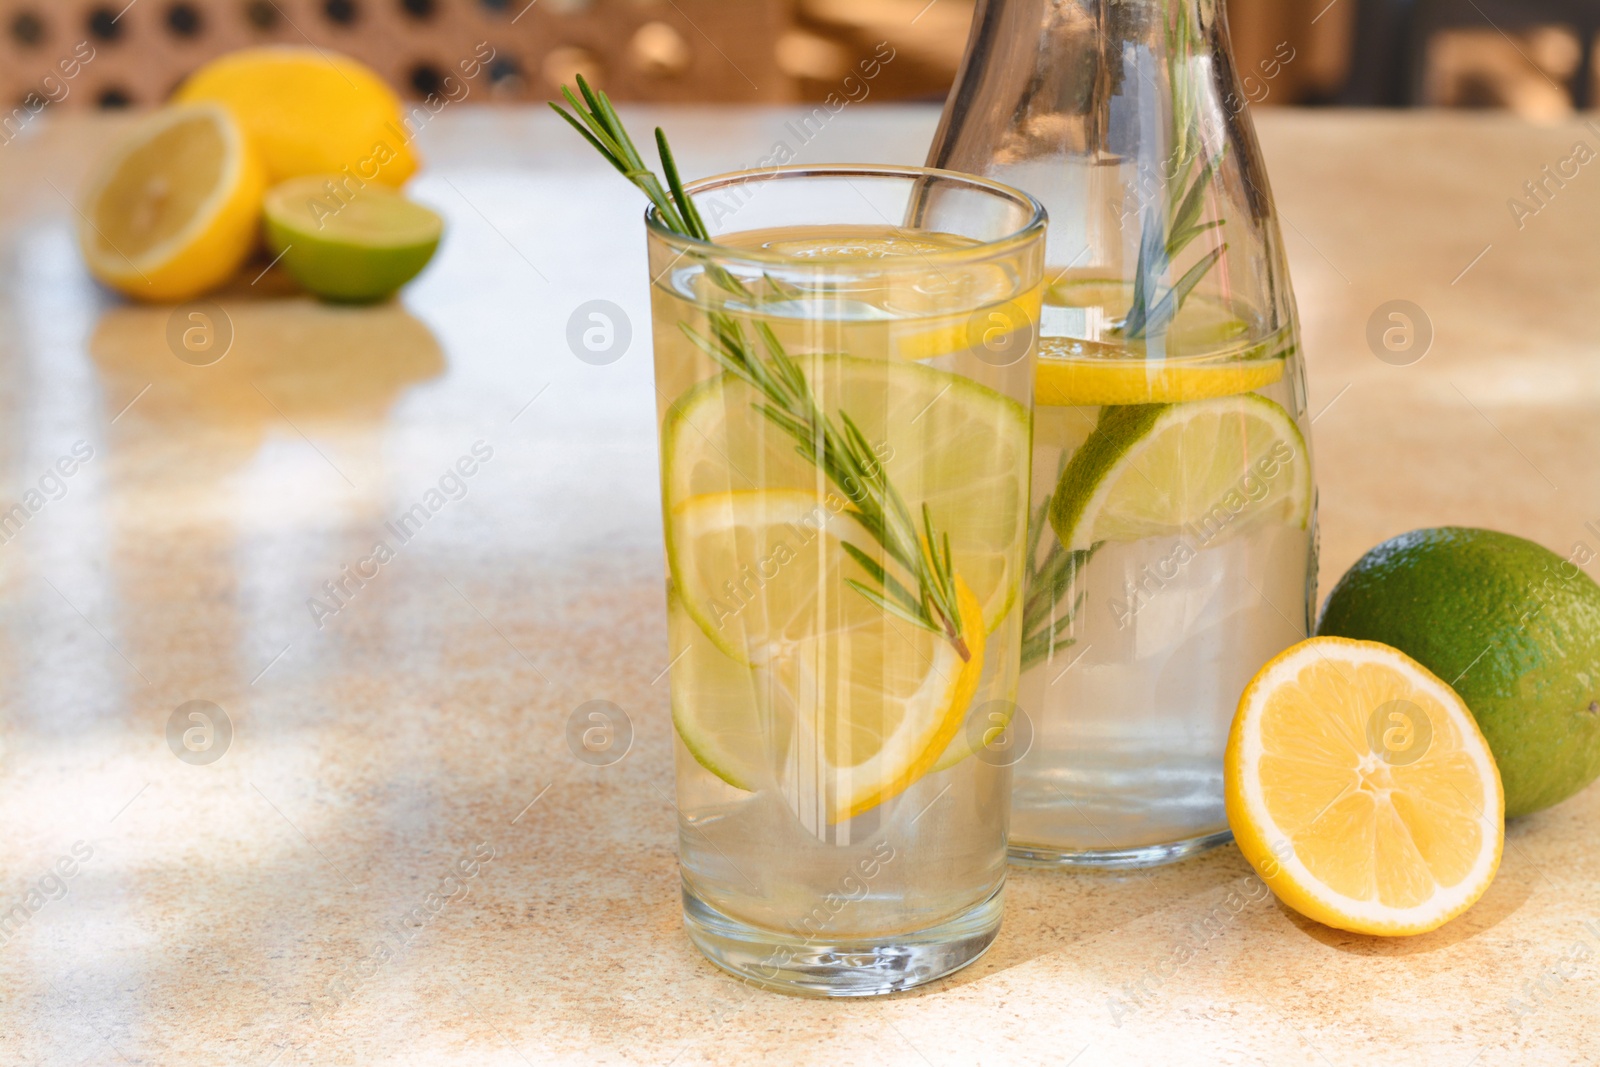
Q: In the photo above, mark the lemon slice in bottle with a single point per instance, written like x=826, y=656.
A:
x=1073, y=372
x=848, y=705
x=1360, y=788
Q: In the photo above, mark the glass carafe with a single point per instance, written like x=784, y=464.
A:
x=1174, y=523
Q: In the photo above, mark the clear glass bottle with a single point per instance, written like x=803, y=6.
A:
x=1174, y=521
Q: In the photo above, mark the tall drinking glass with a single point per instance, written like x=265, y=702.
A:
x=844, y=384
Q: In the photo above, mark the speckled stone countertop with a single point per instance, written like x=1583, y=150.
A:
x=397, y=859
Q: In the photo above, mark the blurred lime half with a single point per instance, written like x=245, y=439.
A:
x=354, y=245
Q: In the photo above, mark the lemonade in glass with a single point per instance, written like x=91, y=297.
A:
x=844, y=383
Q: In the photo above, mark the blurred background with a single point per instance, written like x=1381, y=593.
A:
x=1533, y=57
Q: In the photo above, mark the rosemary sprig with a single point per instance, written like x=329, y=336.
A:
x=1165, y=234
x=835, y=445
x=1046, y=584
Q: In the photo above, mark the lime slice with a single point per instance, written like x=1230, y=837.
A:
x=716, y=703
x=349, y=245
x=944, y=440
x=844, y=704
x=1209, y=469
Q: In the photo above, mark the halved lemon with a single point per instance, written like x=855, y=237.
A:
x=176, y=208
x=945, y=441
x=844, y=704
x=1360, y=788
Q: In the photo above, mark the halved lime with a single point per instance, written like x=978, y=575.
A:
x=944, y=441
x=349, y=244
x=1208, y=469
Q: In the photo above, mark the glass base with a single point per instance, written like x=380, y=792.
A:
x=1116, y=858
x=841, y=968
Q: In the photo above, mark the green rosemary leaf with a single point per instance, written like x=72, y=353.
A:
x=610, y=157
x=1188, y=212
x=1042, y=645
x=1186, y=238
x=1147, y=275
x=891, y=585
x=891, y=606
x=686, y=208
x=1167, y=309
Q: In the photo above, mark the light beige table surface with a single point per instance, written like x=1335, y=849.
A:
x=253, y=910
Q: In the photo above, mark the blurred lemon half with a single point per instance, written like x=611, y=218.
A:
x=175, y=209
x=309, y=111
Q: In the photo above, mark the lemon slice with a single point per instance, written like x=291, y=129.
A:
x=845, y=705
x=944, y=440
x=174, y=210
x=1062, y=379
x=1359, y=787
x=1074, y=372
x=1208, y=470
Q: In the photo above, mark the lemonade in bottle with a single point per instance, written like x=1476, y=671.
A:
x=1172, y=537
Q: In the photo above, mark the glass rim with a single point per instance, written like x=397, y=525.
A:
x=1034, y=226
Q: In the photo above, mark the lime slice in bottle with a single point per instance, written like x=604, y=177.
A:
x=945, y=441
x=843, y=703
x=1208, y=469
x=354, y=246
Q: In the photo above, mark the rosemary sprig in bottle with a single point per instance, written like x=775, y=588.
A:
x=1167, y=230
x=834, y=444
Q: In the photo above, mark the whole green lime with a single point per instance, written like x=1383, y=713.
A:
x=1512, y=626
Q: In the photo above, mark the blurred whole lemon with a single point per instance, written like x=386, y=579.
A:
x=309, y=112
